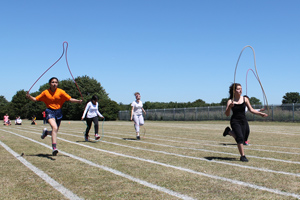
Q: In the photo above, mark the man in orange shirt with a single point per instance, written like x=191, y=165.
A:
x=54, y=98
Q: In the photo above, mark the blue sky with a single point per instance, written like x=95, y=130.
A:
x=168, y=50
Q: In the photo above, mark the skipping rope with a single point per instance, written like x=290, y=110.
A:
x=64, y=52
x=256, y=75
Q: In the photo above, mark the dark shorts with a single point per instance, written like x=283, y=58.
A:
x=56, y=114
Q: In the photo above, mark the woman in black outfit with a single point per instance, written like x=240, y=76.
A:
x=238, y=122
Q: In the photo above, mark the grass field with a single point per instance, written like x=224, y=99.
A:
x=174, y=160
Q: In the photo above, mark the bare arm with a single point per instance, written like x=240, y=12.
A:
x=228, y=107
x=30, y=97
x=252, y=110
x=75, y=100
x=131, y=113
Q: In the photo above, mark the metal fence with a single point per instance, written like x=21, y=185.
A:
x=283, y=113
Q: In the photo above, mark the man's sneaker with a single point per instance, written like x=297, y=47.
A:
x=86, y=138
x=246, y=143
x=226, y=131
x=54, y=152
x=138, y=137
x=243, y=159
x=44, y=134
x=97, y=137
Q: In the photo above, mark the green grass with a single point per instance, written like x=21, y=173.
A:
x=189, y=158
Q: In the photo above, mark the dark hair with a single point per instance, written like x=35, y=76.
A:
x=95, y=98
x=232, y=88
x=52, y=79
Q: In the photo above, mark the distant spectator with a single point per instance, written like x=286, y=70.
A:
x=44, y=117
x=33, y=120
x=18, y=121
x=6, y=120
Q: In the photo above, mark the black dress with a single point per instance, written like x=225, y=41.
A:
x=239, y=122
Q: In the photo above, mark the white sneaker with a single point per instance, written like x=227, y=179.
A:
x=44, y=134
x=97, y=137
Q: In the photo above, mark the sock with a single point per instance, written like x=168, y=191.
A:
x=54, y=146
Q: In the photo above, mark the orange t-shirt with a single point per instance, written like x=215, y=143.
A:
x=53, y=100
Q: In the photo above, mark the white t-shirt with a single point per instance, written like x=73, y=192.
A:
x=137, y=107
x=91, y=110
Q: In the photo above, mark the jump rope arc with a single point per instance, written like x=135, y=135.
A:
x=247, y=83
x=64, y=52
x=254, y=59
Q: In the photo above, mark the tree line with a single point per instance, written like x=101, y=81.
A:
x=23, y=107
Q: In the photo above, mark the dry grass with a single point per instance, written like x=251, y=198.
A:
x=189, y=158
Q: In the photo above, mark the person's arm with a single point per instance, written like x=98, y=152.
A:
x=99, y=114
x=144, y=111
x=30, y=97
x=131, y=113
x=252, y=110
x=85, y=111
x=75, y=100
x=228, y=107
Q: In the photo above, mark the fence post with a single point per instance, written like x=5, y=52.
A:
x=173, y=114
x=272, y=112
x=208, y=112
x=293, y=112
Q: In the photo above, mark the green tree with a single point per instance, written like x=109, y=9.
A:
x=4, y=104
x=224, y=102
x=254, y=101
x=72, y=111
x=291, y=97
x=198, y=103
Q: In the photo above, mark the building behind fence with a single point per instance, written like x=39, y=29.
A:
x=283, y=113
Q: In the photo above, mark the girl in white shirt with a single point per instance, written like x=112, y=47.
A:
x=91, y=114
x=137, y=114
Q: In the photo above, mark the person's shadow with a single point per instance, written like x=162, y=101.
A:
x=220, y=158
x=42, y=155
x=88, y=141
x=129, y=139
x=225, y=144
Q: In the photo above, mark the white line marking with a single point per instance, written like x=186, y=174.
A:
x=186, y=170
x=142, y=182
x=60, y=188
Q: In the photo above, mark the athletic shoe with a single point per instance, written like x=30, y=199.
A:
x=226, y=131
x=86, y=138
x=243, y=159
x=97, y=137
x=54, y=152
x=138, y=137
x=44, y=134
x=246, y=143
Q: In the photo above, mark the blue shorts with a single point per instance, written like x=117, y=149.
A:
x=56, y=114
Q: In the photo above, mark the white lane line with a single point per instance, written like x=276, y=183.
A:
x=142, y=182
x=241, y=183
x=193, y=172
x=60, y=188
x=191, y=157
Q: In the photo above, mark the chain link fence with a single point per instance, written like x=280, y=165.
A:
x=282, y=113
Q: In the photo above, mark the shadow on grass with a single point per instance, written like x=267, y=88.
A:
x=225, y=144
x=88, y=141
x=220, y=158
x=129, y=139
x=48, y=156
